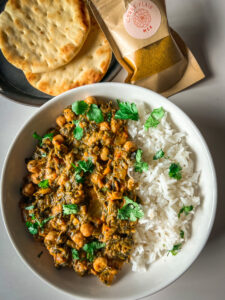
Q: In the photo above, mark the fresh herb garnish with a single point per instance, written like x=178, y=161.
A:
x=109, y=117
x=75, y=254
x=130, y=211
x=154, y=118
x=95, y=114
x=69, y=209
x=44, y=184
x=41, y=139
x=175, y=171
x=104, y=189
x=78, y=131
x=46, y=220
x=175, y=249
x=140, y=165
x=159, y=154
x=182, y=234
x=127, y=111
x=29, y=207
x=48, y=136
x=85, y=166
x=79, y=107
x=185, y=210
x=32, y=227
x=37, y=136
x=90, y=249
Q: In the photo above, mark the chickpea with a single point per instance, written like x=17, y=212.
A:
x=78, y=197
x=75, y=221
x=32, y=166
x=115, y=125
x=80, y=267
x=78, y=239
x=104, y=126
x=28, y=189
x=57, y=140
x=129, y=146
x=35, y=178
x=97, y=179
x=69, y=115
x=50, y=174
x=100, y=263
x=57, y=209
x=130, y=184
x=90, y=100
x=60, y=121
x=87, y=229
x=59, y=259
x=51, y=237
x=104, y=153
x=83, y=209
x=62, y=179
x=58, y=224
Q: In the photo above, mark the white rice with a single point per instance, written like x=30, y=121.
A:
x=162, y=197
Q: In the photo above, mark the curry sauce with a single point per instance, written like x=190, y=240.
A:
x=76, y=188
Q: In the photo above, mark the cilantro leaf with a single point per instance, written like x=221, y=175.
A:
x=182, y=234
x=41, y=139
x=175, y=171
x=127, y=111
x=79, y=107
x=86, y=166
x=158, y=113
x=139, y=165
x=37, y=136
x=95, y=114
x=44, y=184
x=32, y=227
x=75, y=254
x=175, y=249
x=29, y=207
x=46, y=220
x=83, y=166
x=159, y=154
x=130, y=211
x=154, y=118
x=48, y=136
x=90, y=249
x=78, y=131
x=69, y=209
x=79, y=178
x=185, y=210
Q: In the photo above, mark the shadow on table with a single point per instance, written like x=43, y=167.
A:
x=215, y=138
x=198, y=35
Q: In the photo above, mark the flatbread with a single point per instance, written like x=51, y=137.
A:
x=42, y=35
x=89, y=66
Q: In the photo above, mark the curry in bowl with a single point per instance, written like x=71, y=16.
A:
x=78, y=198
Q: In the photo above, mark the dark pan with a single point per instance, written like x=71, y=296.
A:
x=13, y=83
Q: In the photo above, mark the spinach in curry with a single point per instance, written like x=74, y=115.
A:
x=78, y=198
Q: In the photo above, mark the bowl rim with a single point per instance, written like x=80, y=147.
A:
x=111, y=85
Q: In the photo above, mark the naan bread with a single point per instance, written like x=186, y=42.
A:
x=42, y=35
x=89, y=66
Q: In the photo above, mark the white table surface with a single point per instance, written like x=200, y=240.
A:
x=202, y=24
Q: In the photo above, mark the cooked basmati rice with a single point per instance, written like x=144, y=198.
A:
x=162, y=196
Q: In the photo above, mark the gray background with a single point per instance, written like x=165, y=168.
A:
x=202, y=25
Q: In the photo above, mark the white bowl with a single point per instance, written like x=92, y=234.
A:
x=129, y=285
